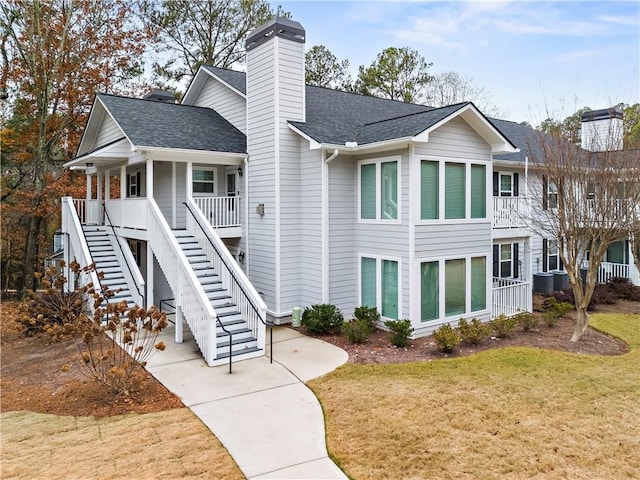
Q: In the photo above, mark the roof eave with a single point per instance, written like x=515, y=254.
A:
x=184, y=154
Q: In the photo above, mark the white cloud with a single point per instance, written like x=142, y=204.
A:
x=578, y=55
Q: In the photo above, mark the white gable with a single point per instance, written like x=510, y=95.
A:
x=101, y=130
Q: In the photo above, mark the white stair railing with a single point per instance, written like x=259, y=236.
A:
x=190, y=296
x=234, y=280
x=79, y=249
x=510, y=297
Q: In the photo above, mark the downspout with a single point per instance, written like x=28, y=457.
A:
x=325, y=226
x=526, y=176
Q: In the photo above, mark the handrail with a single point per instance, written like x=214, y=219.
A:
x=232, y=274
x=194, y=286
x=84, y=246
x=124, y=257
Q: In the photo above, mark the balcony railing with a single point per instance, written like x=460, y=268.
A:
x=609, y=270
x=220, y=211
x=510, y=212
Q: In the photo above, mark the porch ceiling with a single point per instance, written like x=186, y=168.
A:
x=111, y=155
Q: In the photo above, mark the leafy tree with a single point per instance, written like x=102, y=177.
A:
x=323, y=69
x=569, y=129
x=397, y=74
x=191, y=33
x=632, y=126
x=450, y=87
x=56, y=54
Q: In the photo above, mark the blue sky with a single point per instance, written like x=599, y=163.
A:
x=534, y=59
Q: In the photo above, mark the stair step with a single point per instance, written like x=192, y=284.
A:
x=239, y=331
x=236, y=341
x=222, y=355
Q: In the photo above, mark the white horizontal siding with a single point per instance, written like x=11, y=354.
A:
x=440, y=240
x=108, y=132
x=225, y=101
x=455, y=139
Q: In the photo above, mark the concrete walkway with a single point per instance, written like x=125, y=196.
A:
x=264, y=414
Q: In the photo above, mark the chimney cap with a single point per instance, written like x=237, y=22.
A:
x=602, y=114
x=157, y=95
x=279, y=27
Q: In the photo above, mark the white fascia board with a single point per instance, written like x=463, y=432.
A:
x=198, y=81
x=91, y=127
x=184, y=155
x=470, y=114
x=105, y=152
x=313, y=145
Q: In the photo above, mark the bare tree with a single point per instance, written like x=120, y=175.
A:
x=587, y=201
x=451, y=87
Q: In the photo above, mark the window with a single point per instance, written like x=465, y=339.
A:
x=549, y=193
x=133, y=184
x=429, y=191
x=550, y=257
x=430, y=292
x=478, y=191
x=505, y=260
x=454, y=287
x=379, y=190
x=478, y=283
x=454, y=184
x=456, y=194
x=506, y=185
x=204, y=181
x=379, y=285
x=617, y=252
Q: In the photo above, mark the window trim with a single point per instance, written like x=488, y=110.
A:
x=442, y=317
x=442, y=161
x=501, y=192
x=213, y=182
x=379, y=259
x=378, y=161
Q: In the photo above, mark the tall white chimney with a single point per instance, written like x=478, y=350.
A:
x=602, y=130
x=275, y=95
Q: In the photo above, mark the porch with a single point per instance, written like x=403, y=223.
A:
x=609, y=270
x=510, y=296
x=223, y=213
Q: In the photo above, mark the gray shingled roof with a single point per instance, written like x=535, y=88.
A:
x=522, y=136
x=237, y=80
x=169, y=125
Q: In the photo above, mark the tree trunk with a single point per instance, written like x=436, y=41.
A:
x=581, y=324
x=30, y=257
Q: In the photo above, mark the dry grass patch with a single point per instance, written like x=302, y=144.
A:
x=169, y=444
x=508, y=413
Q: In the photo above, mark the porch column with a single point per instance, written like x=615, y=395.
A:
x=99, y=177
x=89, y=195
x=151, y=260
x=149, y=178
x=123, y=189
x=174, y=201
x=107, y=185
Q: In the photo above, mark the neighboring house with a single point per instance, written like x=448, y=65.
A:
x=258, y=194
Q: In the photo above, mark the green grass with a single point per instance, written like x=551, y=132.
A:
x=507, y=413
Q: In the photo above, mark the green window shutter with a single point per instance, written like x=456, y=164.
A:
x=454, y=189
x=389, y=289
x=429, y=191
x=368, y=282
x=455, y=283
x=389, y=194
x=478, y=283
x=368, y=191
x=430, y=296
x=478, y=192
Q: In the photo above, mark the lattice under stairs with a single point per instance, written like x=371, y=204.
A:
x=221, y=301
x=104, y=256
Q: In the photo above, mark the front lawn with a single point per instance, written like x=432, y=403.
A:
x=506, y=413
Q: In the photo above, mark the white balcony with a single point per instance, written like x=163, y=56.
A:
x=510, y=212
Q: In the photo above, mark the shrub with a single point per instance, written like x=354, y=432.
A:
x=114, y=352
x=502, y=325
x=322, y=318
x=622, y=288
x=401, y=330
x=602, y=294
x=54, y=312
x=369, y=315
x=356, y=331
x=527, y=320
x=472, y=333
x=555, y=310
x=446, y=338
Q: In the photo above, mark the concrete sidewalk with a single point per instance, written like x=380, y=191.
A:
x=264, y=414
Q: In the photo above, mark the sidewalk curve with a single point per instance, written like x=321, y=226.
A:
x=263, y=413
